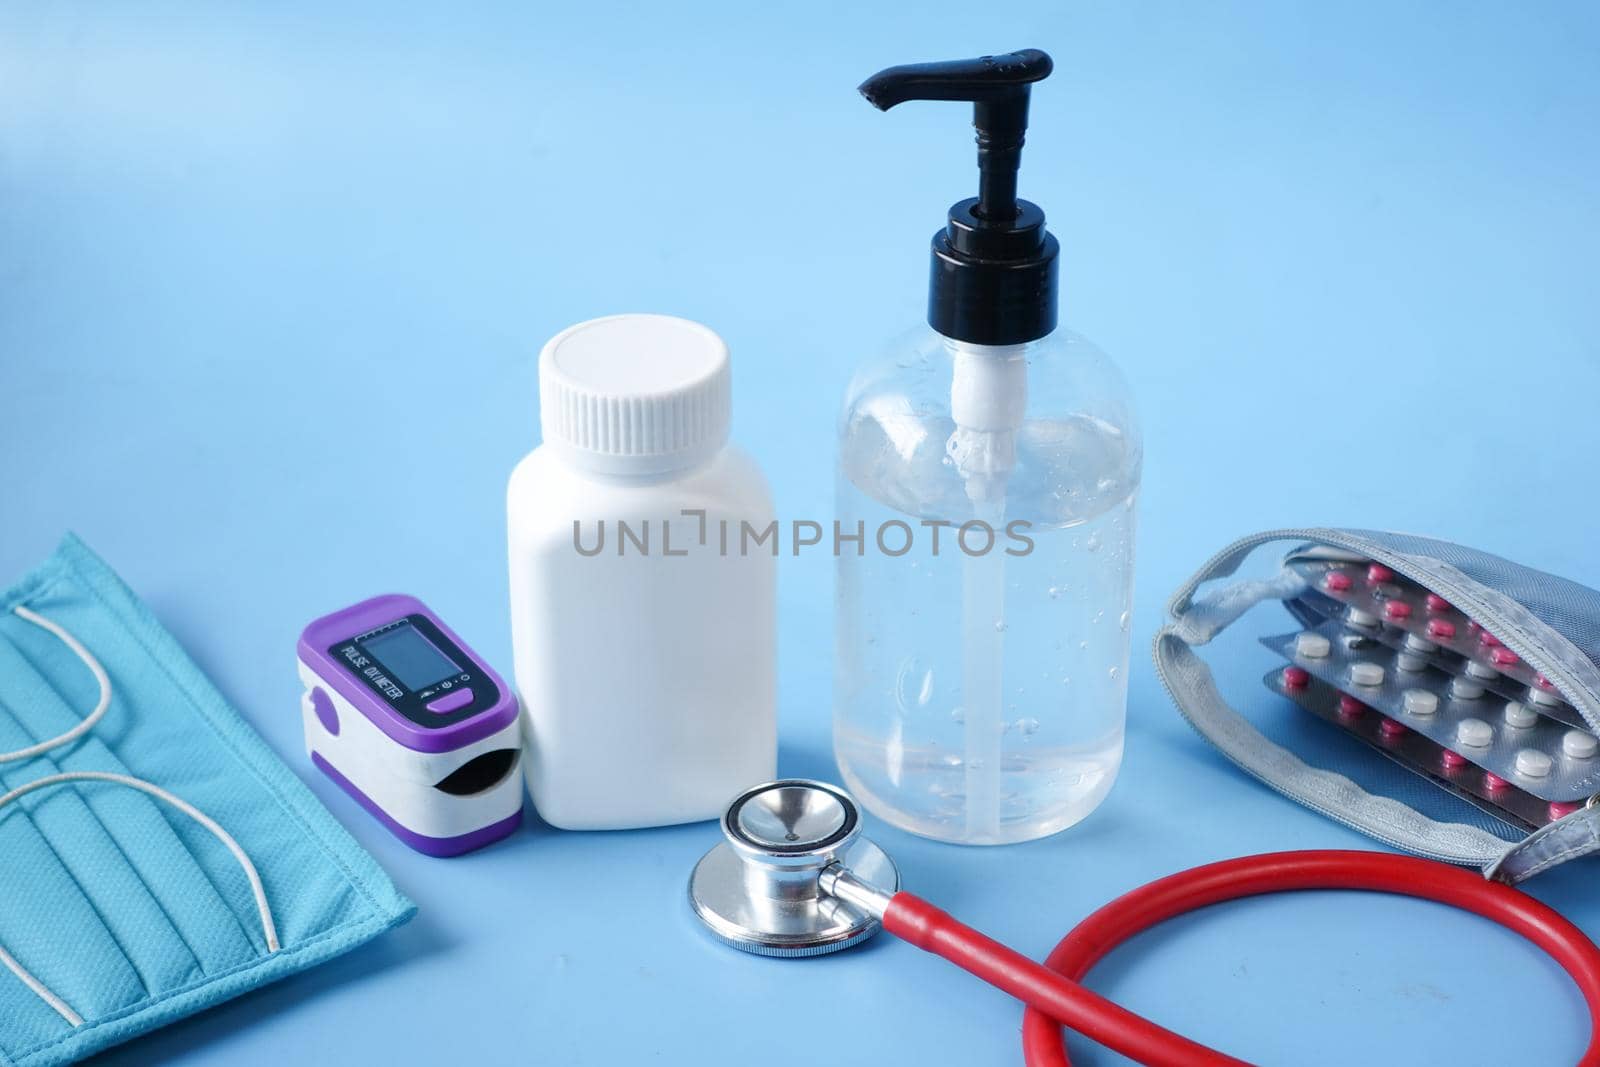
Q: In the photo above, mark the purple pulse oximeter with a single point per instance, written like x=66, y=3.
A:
x=408, y=721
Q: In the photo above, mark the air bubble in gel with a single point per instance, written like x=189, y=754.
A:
x=1462, y=689
x=1312, y=645
x=1580, y=745
x=1520, y=715
x=1420, y=702
x=1366, y=673
x=1533, y=764
x=1474, y=733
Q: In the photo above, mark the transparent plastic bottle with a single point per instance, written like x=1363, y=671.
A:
x=1045, y=631
x=991, y=463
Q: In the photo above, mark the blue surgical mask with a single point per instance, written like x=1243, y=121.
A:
x=157, y=857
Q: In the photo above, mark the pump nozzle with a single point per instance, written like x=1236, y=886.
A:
x=994, y=266
x=998, y=88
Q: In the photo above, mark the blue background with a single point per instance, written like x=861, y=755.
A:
x=273, y=282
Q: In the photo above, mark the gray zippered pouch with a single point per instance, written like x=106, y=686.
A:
x=1551, y=623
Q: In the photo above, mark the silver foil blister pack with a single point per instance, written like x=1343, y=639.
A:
x=1419, y=753
x=1371, y=599
x=1546, y=758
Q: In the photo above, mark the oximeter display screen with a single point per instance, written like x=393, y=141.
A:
x=409, y=656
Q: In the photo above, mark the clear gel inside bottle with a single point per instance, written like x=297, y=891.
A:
x=983, y=628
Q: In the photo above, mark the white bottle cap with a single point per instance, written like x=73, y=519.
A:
x=635, y=394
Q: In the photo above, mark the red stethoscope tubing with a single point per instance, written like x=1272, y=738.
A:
x=1055, y=999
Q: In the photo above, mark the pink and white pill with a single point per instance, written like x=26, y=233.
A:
x=1520, y=715
x=1437, y=603
x=1354, y=616
x=1296, y=677
x=1377, y=572
x=1391, y=729
x=1338, y=581
x=1312, y=645
x=1366, y=673
x=1441, y=628
x=1545, y=698
x=1419, y=702
x=1452, y=760
x=1397, y=609
x=1474, y=733
x=1533, y=764
x=1350, y=707
x=1580, y=745
x=1503, y=657
x=1560, y=809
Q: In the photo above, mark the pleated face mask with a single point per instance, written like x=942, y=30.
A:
x=155, y=856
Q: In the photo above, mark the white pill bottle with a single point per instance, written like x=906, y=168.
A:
x=643, y=595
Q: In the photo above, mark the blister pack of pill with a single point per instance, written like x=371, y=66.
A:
x=1444, y=766
x=1411, y=675
x=1373, y=599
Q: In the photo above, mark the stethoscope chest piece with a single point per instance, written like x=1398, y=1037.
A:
x=760, y=890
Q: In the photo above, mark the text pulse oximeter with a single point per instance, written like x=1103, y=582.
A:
x=410, y=723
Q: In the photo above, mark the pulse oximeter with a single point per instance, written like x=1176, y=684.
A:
x=408, y=721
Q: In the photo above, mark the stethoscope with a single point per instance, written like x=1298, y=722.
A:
x=795, y=877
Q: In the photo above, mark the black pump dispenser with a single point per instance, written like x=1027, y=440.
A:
x=993, y=280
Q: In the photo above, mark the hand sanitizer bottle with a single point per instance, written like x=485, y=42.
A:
x=992, y=462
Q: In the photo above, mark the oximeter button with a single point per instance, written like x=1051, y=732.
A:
x=322, y=704
x=454, y=700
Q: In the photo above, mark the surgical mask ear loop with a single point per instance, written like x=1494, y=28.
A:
x=269, y=928
x=89, y=661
